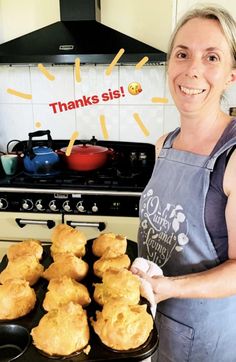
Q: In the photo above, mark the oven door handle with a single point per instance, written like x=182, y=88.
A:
x=100, y=225
x=22, y=222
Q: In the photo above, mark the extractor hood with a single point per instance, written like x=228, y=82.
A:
x=79, y=34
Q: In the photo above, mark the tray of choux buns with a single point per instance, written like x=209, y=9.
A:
x=73, y=299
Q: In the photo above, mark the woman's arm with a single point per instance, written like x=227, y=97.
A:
x=214, y=283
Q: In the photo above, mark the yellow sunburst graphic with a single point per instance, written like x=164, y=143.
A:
x=102, y=118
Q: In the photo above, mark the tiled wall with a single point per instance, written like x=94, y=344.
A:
x=19, y=116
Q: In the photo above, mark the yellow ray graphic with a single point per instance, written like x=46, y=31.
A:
x=141, y=125
x=114, y=61
x=103, y=126
x=19, y=94
x=159, y=100
x=77, y=70
x=38, y=124
x=141, y=63
x=71, y=143
x=47, y=74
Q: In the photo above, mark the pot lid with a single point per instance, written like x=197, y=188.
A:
x=86, y=149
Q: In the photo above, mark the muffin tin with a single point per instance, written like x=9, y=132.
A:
x=16, y=342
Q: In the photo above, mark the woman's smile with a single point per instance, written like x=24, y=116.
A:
x=191, y=91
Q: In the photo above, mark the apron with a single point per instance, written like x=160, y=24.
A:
x=173, y=234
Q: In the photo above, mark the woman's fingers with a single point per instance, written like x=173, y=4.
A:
x=139, y=272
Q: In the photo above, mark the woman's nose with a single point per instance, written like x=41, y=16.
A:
x=193, y=69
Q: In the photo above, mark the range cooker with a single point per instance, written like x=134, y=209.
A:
x=104, y=200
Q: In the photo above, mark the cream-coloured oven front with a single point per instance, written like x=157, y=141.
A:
x=17, y=226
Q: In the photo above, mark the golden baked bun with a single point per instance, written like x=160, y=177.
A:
x=118, y=284
x=26, y=247
x=121, y=326
x=24, y=267
x=64, y=290
x=62, y=331
x=66, y=264
x=16, y=299
x=67, y=239
x=116, y=242
x=111, y=259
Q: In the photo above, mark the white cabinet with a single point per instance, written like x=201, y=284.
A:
x=21, y=17
x=148, y=21
x=184, y=5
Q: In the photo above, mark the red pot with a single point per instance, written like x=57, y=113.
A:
x=86, y=157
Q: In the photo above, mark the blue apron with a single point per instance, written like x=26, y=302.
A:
x=173, y=234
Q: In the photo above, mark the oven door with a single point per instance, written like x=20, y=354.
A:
x=22, y=225
x=93, y=225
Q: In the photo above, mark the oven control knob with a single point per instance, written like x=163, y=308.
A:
x=53, y=206
x=94, y=208
x=66, y=206
x=80, y=207
x=39, y=205
x=27, y=204
x=3, y=204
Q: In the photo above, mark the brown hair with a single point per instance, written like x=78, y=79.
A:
x=226, y=21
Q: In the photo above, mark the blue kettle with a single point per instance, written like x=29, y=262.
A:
x=41, y=160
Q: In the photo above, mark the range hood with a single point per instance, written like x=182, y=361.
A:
x=79, y=34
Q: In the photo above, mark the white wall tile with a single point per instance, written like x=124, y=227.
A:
x=46, y=91
x=151, y=117
x=61, y=124
x=94, y=81
x=151, y=79
x=17, y=78
x=16, y=123
x=88, y=122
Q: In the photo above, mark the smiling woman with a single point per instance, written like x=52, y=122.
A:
x=194, y=183
x=200, y=69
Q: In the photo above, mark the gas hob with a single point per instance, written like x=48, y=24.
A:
x=112, y=190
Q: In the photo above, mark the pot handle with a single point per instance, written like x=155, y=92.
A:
x=29, y=150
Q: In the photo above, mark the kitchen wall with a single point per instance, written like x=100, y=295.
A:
x=21, y=17
x=64, y=105
x=53, y=103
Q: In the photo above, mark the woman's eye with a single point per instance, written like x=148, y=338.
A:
x=181, y=55
x=213, y=58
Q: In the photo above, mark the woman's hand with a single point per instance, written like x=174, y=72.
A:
x=162, y=287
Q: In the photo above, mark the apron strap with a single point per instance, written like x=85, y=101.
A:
x=210, y=163
x=168, y=142
x=211, y=160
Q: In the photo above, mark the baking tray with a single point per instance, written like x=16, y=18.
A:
x=98, y=352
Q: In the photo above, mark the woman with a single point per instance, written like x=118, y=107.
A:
x=188, y=209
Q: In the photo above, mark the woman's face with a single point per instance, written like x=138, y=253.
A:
x=200, y=66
